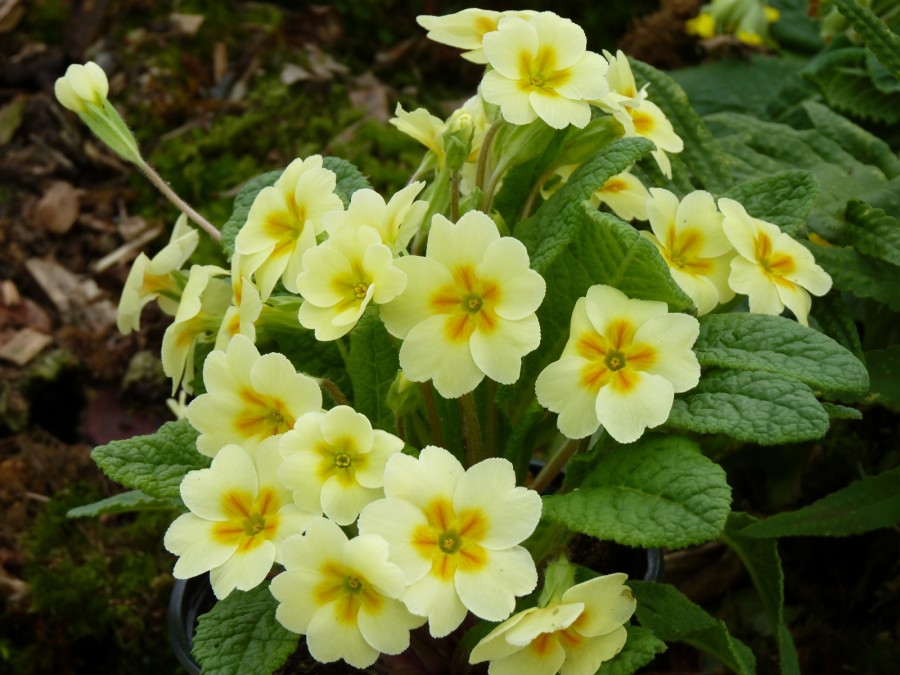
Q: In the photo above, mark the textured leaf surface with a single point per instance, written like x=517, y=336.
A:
x=760, y=557
x=672, y=617
x=835, y=319
x=884, y=43
x=242, y=203
x=639, y=650
x=134, y=500
x=862, y=275
x=373, y=364
x=702, y=154
x=784, y=199
x=884, y=367
x=154, y=464
x=872, y=231
x=778, y=345
x=868, y=504
x=659, y=491
x=755, y=406
x=241, y=636
x=842, y=76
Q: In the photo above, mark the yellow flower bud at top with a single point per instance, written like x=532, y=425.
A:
x=82, y=85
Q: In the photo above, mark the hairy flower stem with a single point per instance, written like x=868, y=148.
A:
x=434, y=420
x=485, y=152
x=454, y=196
x=474, y=445
x=563, y=453
x=178, y=202
x=333, y=390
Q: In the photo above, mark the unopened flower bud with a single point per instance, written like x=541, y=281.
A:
x=458, y=139
x=82, y=85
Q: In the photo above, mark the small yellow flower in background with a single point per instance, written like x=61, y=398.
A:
x=342, y=276
x=771, y=268
x=747, y=20
x=468, y=309
x=541, y=69
x=703, y=25
x=204, y=302
x=396, y=221
x=623, y=193
x=152, y=278
x=82, y=85
x=455, y=533
x=637, y=115
x=466, y=29
x=284, y=221
x=239, y=516
x=573, y=636
x=334, y=462
x=249, y=397
x=342, y=594
x=621, y=367
x=690, y=237
x=240, y=318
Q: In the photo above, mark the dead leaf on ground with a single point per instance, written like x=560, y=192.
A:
x=78, y=300
x=58, y=209
x=11, y=12
x=11, y=116
x=186, y=24
x=24, y=346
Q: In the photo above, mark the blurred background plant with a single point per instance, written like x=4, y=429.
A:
x=219, y=92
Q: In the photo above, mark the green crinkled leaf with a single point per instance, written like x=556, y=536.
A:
x=640, y=648
x=308, y=355
x=868, y=504
x=241, y=636
x=843, y=78
x=882, y=78
x=658, y=491
x=862, y=275
x=775, y=344
x=841, y=412
x=884, y=43
x=754, y=406
x=242, y=203
x=701, y=153
x=833, y=317
x=860, y=143
x=872, y=232
x=154, y=464
x=672, y=617
x=134, y=500
x=785, y=198
x=884, y=368
x=760, y=557
x=349, y=178
x=373, y=364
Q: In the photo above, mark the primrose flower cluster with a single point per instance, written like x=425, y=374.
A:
x=371, y=529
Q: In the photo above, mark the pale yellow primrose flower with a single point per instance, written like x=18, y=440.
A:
x=152, y=278
x=637, y=115
x=466, y=29
x=342, y=594
x=542, y=69
x=82, y=85
x=621, y=367
x=342, y=276
x=690, y=237
x=396, y=221
x=455, y=533
x=469, y=307
x=623, y=193
x=572, y=637
x=239, y=517
x=283, y=223
x=334, y=462
x=203, y=304
x=249, y=397
x=771, y=268
x=240, y=318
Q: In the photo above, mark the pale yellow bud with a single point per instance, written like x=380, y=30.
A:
x=81, y=85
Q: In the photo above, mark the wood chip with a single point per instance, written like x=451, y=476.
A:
x=24, y=345
x=79, y=301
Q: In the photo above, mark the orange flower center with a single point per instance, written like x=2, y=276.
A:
x=450, y=539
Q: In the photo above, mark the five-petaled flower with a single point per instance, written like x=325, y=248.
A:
x=621, y=367
x=249, y=397
x=690, y=237
x=572, y=636
x=469, y=307
x=455, y=533
x=540, y=68
x=342, y=594
x=771, y=268
x=342, y=276
x=239, y=516
x=466, y=29
x=283, y=223
x=334, y=462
